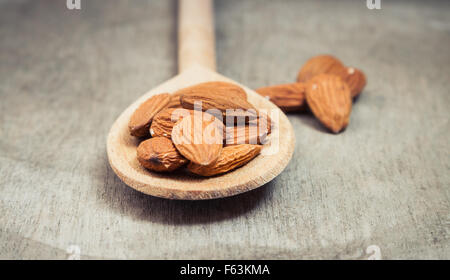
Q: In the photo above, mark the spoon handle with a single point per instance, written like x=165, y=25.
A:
x=196, y=34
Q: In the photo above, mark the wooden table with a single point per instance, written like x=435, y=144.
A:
x=65, y=75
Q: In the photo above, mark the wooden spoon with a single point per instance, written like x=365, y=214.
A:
x=196, y=58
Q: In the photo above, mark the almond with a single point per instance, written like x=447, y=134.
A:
x=231, y=157
x=165, y=120
x=288, y=97
x=321, y=64
x=175, y=100
x=159, y=154
x=198, y=137
x=223, y=88
x=230, y=106
x=355, y=79
x=141, y=119
x=330, y=100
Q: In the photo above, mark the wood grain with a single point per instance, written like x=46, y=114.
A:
x=196, y=40
x=65, y=76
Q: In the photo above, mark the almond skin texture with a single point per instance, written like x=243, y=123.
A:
x=175, y=100
x=329, y=98
x=212, y=100
x=159, y=154
x=229, y=105
x=199, y=137
x=165, y=120
x=214, y=88
x=355, y=79
x=288, y=97
x=321, y=64
x=230, y=158
x=141, y=119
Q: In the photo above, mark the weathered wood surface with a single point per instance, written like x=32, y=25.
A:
x=66, y=75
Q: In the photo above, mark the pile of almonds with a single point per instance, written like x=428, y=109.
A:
x=224, y=133
x=324, y=85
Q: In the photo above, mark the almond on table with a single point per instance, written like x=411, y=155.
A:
x=159, y=154
x=329, y=99
x=292, y=97
x=141, y=119
x=288, y=97
x=327, y=64
x=355, y=79
x=230, y=158
x=321, y=64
